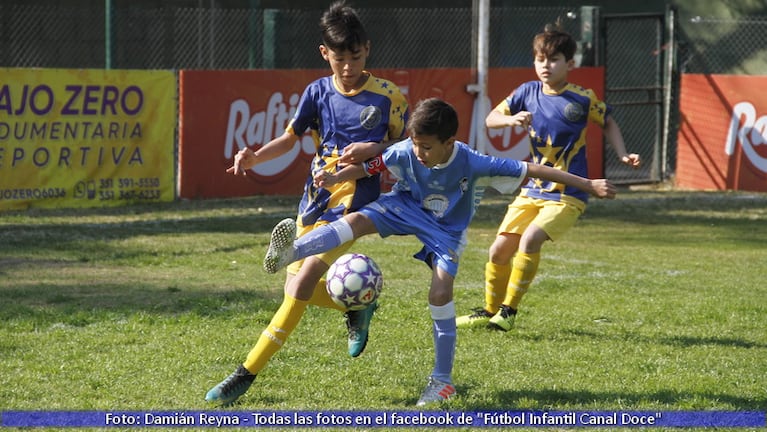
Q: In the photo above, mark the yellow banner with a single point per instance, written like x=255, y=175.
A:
x=86, y=138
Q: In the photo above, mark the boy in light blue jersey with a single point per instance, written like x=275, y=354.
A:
x=353, y=116
x=433, y=199
x=556, y=114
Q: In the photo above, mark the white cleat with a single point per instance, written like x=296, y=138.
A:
x=280, y=252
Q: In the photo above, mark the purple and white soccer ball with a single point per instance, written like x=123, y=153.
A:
x=354, y=281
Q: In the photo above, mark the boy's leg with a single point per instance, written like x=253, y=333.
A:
x=285, y=249
x=524, y=270
x=271, y=340
x=444, y=340
x=498, y=267
x=552, y=221
x=276, y=333
x=440, y=386
x=321, y=298
x=357, y=322
x=522, y=274
x=496, y=279
x=329, y=242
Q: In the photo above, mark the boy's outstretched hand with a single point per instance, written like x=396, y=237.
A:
x=602, y=188
x=244, y=160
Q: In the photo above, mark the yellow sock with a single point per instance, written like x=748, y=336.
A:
x=321, y=298
x=525, y=266
x=496, y=279
x=283, y=323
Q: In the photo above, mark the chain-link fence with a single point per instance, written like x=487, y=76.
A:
x=724, y=46
x=634, y=86
x=85, y=35
x=716, y=46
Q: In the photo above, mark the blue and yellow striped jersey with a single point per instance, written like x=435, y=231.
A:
x=376, y=112
x=557, y=133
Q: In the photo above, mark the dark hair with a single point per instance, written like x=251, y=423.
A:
x=342, y=29
x=554, y=40
x=433, y=117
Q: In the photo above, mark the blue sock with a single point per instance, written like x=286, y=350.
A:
x=444, y=342
x=322, y=239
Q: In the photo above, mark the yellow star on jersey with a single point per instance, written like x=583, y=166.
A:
x=549, y=153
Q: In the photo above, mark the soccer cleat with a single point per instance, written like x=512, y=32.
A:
x=480, y=318
x=358, y=323
x=234, y=386
x=504, y=319
x=436, y=391
x=280, y=252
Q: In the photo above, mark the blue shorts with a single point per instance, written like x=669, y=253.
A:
x=396, y=214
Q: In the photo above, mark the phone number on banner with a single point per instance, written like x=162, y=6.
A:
x=124, y=189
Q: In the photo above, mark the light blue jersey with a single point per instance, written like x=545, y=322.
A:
x=434, y=204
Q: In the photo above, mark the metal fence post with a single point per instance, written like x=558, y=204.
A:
x=108, y=34
x=668, y=90
x=254, y=6
x=270, y=27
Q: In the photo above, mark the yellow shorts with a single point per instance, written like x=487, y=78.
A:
x=328, y=257
x=553, y=217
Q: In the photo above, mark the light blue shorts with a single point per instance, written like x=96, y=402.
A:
x=396, y=214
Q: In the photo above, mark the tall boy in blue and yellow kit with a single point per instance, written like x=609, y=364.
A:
x=353, y=116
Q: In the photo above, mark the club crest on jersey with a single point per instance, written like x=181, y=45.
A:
x=574, y=112
x=370, y=117
x=437, y=203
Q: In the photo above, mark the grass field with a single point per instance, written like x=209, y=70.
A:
x=655, y=301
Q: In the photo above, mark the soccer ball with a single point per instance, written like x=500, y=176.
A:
x=354, y=281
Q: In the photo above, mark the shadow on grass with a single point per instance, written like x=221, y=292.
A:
x=687, y=341
x=82, y=305
x=679, y=340
x=61, y=242
x=509, y=399
x=38, y=230
x=271, y=203
x=736, y=212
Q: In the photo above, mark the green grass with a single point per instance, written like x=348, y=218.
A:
x=653, y=302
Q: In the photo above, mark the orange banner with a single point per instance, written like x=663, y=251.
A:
x=86, y=138
x=222, y=112
x=722, y=140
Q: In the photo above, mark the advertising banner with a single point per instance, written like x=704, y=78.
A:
x=86, y=138
x=722, y=141
x=222, y=112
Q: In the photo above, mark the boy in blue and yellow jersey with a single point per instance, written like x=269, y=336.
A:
x=434, y=200
x=556, y=114
x=353, y=117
